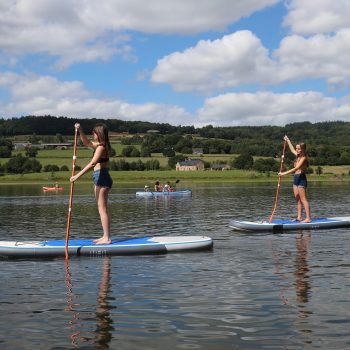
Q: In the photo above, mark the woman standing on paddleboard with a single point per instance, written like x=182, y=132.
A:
x=101, y=177
x=301, y=164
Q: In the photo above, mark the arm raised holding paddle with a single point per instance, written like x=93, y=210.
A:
x=299, y=170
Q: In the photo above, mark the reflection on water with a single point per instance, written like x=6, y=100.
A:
x=102, y=335
x=71, y=307
x=104, y=324
x=302, y=285
x=270, y=291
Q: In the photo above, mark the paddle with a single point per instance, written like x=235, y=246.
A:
x=71, y=191
x=278, y=183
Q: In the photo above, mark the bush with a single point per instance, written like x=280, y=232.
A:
x=135, y=153
x=145, y=152
x=119, y=165
x=169, y=152
x=15, y=164
x=113, y=152
x=20, y=165
x=31, y=152
x=265, y=165
x=130, y=151
x=5, y=148
x=64, y=168
x=31, y=166
x=51, y=168
x=152, y=164
x=5, y=152
x=243, y=161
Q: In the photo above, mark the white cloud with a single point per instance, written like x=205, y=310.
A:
x=267, y=108
x=317, y=16
x=236, y=59
x=85, y=31
x=320, y=56
x=240, y=59
x=42, y=95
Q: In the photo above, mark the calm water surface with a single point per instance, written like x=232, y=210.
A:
x=263, y=291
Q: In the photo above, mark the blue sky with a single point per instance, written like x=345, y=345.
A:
x=185, y=62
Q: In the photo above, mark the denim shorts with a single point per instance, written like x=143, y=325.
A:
x=300, y=180
x=102, y=178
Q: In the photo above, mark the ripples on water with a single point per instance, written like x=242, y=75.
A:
x=264, y=291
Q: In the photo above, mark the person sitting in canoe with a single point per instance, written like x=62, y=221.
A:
x=301, y=164
x=168, y=187
x=158, y=187
x=146, y=188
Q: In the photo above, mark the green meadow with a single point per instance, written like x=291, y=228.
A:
x=186, y=177
x=64, y=157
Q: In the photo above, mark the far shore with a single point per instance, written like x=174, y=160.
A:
x=149, y=177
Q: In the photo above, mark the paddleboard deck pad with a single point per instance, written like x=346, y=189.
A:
x=289, y=225
x=131, y=246
x=165, y=193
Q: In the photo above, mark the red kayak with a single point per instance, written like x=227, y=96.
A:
x=45, y=189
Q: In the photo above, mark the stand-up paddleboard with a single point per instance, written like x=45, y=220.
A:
x=288, y=225
x=132, y=246
x=165, y=193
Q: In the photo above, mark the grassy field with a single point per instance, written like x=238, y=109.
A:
x=64, y=157
x=149, y=177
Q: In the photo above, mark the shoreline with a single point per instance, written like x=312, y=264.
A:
x=151, y=176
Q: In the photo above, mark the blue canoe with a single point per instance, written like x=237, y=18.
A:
x=165, y=193
x=289, y=225
x=130, y=246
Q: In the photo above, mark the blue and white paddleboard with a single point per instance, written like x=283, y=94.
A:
x=131, y=246
x=164, y=194
x=288, y=225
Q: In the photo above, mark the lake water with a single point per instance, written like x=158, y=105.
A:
x=262, y=291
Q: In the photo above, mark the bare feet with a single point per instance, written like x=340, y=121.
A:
x=102, y=240
x=307, y=220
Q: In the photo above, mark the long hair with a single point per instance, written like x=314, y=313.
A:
x=303, y=150
x=101, y=131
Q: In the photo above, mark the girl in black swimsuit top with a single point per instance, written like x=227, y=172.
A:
x=101, y=177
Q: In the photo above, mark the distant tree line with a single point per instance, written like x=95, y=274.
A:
x=20, y=164
x=328, y=143
x=50, y=125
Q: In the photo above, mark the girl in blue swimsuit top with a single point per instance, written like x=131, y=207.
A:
x=299, y=170
x=101, y=177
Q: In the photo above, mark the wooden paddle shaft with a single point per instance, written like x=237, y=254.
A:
x=278, y=183
x=71, y=191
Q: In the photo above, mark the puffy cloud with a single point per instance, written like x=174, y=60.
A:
x=85, y=31
x=267, y=108
x=240, y=59
x=41, y=95
x=236, y=59
x=320, y=56
x=317, y=16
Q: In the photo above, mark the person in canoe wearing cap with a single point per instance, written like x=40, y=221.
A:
x=146, y=188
